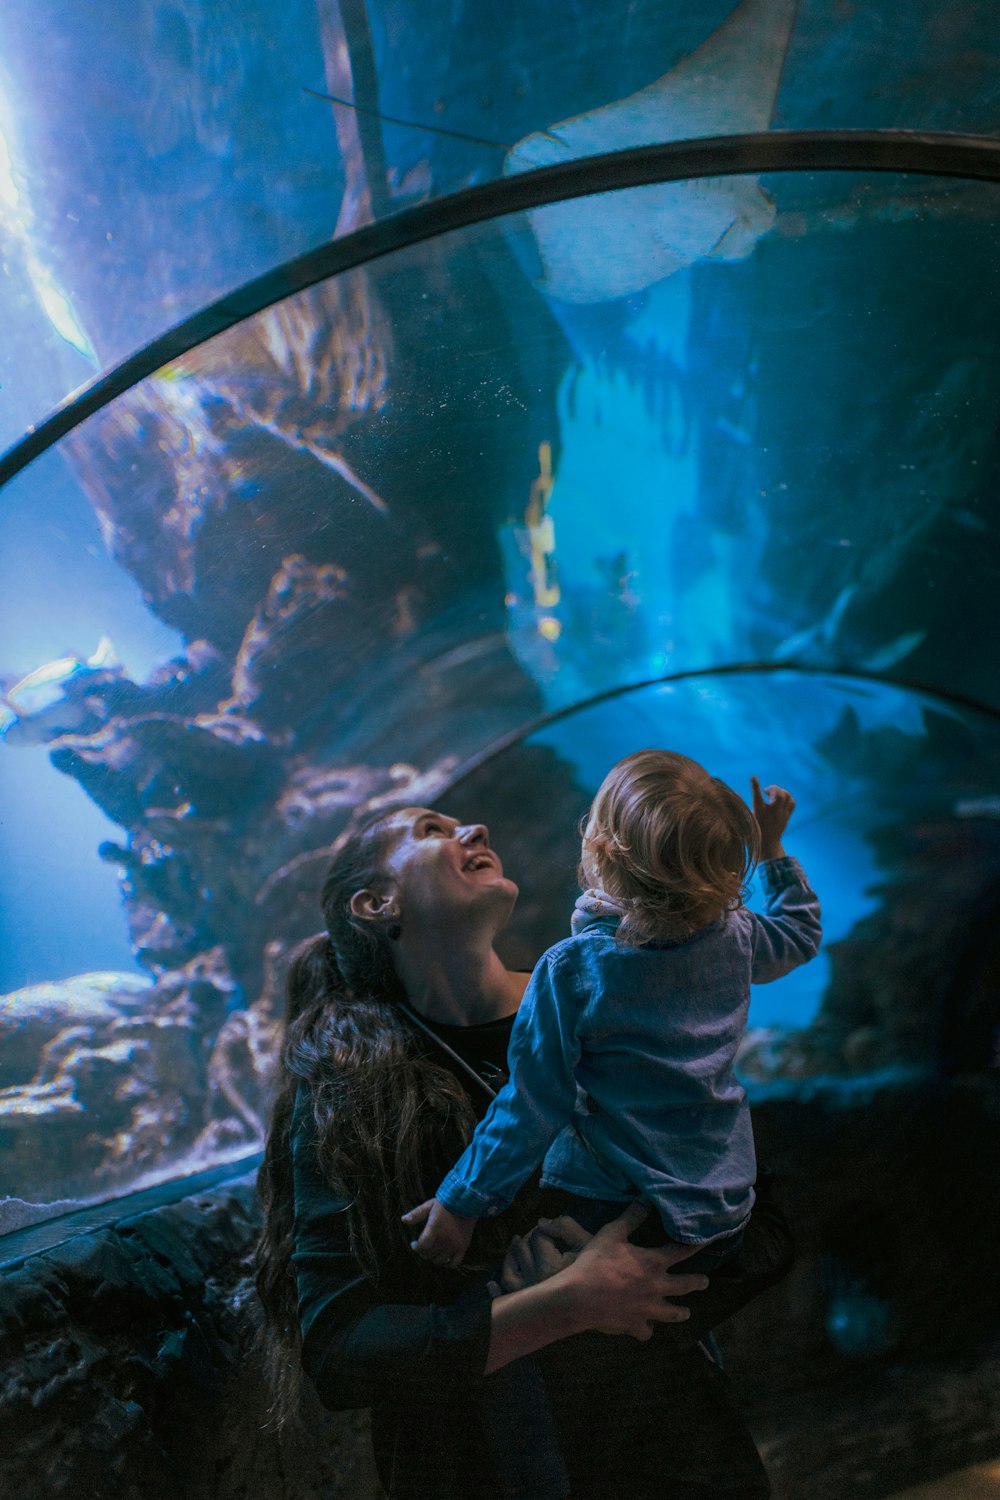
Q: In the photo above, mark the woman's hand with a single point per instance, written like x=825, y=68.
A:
x=772, y=810
x=619, y=1287
x=607, y=1285
x=444, y=1237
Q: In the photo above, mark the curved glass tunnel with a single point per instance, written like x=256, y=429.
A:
x=431, y=531
x=155, y=158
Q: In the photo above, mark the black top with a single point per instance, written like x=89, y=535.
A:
x=483, y=1047
x=641, y=1420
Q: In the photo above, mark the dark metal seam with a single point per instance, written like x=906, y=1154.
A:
x=749, y=668
x=364, y=75
x=19, y=1245
x=938, y=154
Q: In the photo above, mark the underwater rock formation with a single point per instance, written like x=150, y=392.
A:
x=181, y=471
x=109, y=1078
x=128, y=1369
x=327, y=660
x=913, y=987
x=88, y=1068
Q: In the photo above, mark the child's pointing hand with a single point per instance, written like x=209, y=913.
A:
x=772, y=809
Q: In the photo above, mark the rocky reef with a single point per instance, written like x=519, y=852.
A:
x=128, y=1369
x=343, y=613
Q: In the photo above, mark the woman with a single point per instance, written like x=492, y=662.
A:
x=394, y=1019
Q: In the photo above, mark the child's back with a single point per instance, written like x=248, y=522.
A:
x=650, y=1035
x=621, y=1056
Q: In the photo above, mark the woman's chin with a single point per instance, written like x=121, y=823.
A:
x=500, y=896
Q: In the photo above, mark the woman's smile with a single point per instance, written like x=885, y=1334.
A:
x=482, y=859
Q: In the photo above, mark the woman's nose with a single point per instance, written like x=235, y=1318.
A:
x=474, y=833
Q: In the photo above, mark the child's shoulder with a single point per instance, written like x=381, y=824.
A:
x=578, y=949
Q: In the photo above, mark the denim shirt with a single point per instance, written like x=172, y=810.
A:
x=621, y=1063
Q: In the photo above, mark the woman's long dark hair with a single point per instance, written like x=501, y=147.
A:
x=388, y=1120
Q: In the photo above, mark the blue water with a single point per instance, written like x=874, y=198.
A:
x=61, y=905
x=785, y=458
x=766, y=727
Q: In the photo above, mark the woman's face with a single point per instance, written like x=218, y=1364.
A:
x=445, y=873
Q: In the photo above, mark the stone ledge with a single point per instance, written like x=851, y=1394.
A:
x=879, y=1430
x=127, y=1370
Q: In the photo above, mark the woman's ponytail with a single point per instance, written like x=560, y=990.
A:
x=387, y=1120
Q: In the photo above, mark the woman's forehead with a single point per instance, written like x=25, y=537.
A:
x=408, y=817
x=401, y=827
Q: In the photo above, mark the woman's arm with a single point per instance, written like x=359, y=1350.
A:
x=765, y=1258
x=368, y=1344
x=363, y=1348
x=611, y=1286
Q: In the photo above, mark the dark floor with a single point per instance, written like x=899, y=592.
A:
x=980, y=1482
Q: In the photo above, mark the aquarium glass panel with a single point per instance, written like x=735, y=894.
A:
x=157, y=155
x=339, y=554
x=892, y=824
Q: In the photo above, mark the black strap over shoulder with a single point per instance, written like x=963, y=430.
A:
x=443, y=1046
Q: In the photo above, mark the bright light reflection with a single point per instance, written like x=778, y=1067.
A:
x=19, y=221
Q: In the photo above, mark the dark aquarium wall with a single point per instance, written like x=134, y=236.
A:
x=707, y=463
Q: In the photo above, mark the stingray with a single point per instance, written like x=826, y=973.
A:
x=614, y=244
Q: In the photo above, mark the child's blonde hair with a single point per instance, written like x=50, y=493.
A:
x=672, y=845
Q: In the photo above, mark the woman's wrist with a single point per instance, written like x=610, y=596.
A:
x=558, y=1304
x=527, y=1320
x=565, y=1301
x=773, y=851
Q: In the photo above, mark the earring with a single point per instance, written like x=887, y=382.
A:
x=393, y=932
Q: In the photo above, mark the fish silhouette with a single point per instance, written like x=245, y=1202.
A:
x=614, y=244
x=52, y=699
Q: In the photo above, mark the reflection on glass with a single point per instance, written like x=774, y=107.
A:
x=888, y=785
x=315, y=564
x=154, y=159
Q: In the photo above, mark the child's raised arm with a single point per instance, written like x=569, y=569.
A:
x=772, y=810
x=790, y=933
x=528, y=1113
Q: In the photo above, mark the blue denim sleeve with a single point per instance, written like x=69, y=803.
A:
x=527, y=1115
x=790, y=933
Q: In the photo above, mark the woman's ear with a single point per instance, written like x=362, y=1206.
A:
x=370, y=906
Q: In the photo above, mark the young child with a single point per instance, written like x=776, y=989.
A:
x=621, y=1056
x=643, y=1009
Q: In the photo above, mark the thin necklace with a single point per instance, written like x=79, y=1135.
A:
x=423, y=1026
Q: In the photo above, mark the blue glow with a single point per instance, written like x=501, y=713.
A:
x=774, y=726
x=398, y=517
